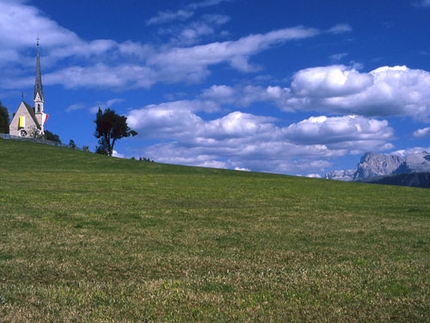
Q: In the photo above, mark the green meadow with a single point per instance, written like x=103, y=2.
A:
x=88, y=238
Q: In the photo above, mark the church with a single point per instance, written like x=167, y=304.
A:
x=28, y=121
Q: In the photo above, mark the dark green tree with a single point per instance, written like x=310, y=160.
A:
x=4, y=119
x=102, y=148
x=72, y=144
x=110, y=127
x=52, y=136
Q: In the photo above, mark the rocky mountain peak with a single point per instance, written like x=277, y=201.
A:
x=374, y=164
x=378, y=165
x=419, y=162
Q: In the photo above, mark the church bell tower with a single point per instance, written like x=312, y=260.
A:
x=38, y=92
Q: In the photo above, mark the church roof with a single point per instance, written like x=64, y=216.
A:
x=31, y=112
x=38, y=88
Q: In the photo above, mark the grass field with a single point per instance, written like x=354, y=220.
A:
x=88, y=238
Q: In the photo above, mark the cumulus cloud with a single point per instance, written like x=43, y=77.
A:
x=385, y=91
x=237, y=124
x=314, y=176
x=19, y=24
x=243, y=140
x=167, y=120
x=117, y=154
x=354, y=133
x=328, y=82
x=242, y=169
x=223, y=94
x=422, y=133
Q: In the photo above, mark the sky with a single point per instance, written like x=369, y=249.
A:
x=299, y=87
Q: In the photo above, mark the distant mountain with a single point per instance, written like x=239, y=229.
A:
x=372, y=164
x=388, y=169
x=419, y=162
x=341, y=175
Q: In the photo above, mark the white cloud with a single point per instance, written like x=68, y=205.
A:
x=20, y=24
x=168, y=120
x=410, y=151
x=220, y=93
x=195, y=30
x=168, y=16
x=243, y=96
x=191, y=63
x=322, y=128
x=103, y=76
x=347, y=132
x=164, y=17
x=245, y=140
x=340, y=28
x=105, y=105
x=189, y=32
x=422, y=133
x=237, y=124
x=74, y=107
x=386, y=91
x=242, y=169
x=116, y=154
x=338, y=57
x=314, y=176
x=328, y=82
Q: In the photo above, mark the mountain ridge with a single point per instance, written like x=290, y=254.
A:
x=374, y=167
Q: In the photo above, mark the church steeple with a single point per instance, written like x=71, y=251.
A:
x=38, y=91
x=38, y=88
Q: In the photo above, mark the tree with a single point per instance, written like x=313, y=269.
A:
x=102, y=148
x=35, y=133
x=52, y=136
x=110, y=127
x=4, y=119
x=72, y=144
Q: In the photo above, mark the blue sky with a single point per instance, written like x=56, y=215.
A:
x=297, y=87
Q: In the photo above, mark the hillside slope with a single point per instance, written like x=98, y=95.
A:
x=88, y=238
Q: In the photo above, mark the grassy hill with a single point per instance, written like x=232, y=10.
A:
x=88, y=238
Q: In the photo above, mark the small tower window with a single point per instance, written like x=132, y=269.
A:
x=38, y=108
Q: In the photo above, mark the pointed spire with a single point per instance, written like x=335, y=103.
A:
x=38, y=88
